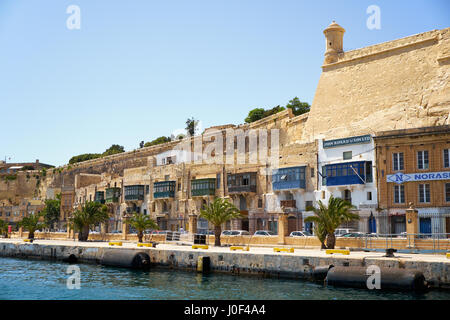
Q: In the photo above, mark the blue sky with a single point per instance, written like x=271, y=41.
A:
x=138, y=69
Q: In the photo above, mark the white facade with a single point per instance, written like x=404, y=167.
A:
x=362, y=193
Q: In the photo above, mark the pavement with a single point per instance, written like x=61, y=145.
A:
x=253, y=250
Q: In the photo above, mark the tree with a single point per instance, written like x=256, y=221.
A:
x=51, y=211
x=90, y=214
x=255, y=115
x=218, y=212
x=298, y=107
x=142, y=222
x=141, y=144
x=84, y=157
x=272, y=111
x=191, y=126
x=328, y=218
x=157, y=141
x=114, y=149
x=4, y=228
x=32, y=223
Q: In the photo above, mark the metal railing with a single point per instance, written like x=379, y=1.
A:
x=407, y=242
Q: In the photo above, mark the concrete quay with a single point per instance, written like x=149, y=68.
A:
x=258, y=261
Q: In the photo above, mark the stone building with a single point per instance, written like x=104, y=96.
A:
x=413, y=167
x=346, y=171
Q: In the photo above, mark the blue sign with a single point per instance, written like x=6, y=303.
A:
x=400, y=177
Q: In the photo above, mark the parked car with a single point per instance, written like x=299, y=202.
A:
x=341, y=231
x=300, y=234
x=226, y=233
x=239, y=233
x=354, y=235
x=264, y=233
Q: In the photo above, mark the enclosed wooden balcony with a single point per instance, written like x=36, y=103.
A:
x=164, y=189
x=203, y=187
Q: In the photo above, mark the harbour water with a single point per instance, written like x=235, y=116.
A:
x=44, y=280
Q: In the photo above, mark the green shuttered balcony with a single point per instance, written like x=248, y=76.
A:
x=112, y=195
x=203, y=187
x=164, y=189
x=134, y=193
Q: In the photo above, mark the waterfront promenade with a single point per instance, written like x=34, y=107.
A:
x=261, y=261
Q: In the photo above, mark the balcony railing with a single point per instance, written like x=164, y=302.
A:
x=288, y=203
x=164, y=189
x=203, y=187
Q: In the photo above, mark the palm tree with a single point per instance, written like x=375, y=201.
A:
x=32, y=223
x=141, y=223
x=4, y=228
x=90, y=214
x=328, y=218
x=218, y=212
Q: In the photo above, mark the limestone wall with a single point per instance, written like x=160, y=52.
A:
x=395, y=85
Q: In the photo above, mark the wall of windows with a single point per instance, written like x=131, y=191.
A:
x=289, y=178
x=135, y=192
x=348, y=173
x=164, y=189
x=203, y=187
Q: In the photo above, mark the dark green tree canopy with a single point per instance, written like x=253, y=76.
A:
x=298, y=107
x=114, y=149
x=157, y=141
x=51, y=211
x=295, y=104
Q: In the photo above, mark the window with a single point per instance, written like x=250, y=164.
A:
x=323, y=194
x=424, y=193
x=324, y=177
x=369, y=171
x=369, y=195
x=260, y=203
x=147, y=189
x=348, y=195
x=347, y=155
x=308, y=204
x=312, y=172
x=218, y=180
x=399, y=194
x=422, y=160
x=397, y=161
x=447, y=192
x=446, y=158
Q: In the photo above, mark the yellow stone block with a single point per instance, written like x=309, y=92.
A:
x=140, y=244
x=234, y=248
x=342, y=251
x=119, y=243
x=291, y=250
x=200, y=246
